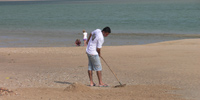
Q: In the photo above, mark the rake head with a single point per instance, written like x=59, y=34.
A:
x=121, y=85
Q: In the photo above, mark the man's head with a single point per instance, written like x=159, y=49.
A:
x=106, y=31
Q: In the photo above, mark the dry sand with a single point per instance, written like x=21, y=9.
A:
x=159, y=71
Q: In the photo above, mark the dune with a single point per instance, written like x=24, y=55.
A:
x=159, y=71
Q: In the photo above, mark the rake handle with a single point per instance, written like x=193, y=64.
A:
x=111, y=70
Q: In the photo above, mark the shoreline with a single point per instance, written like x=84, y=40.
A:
x=167, y=70
x=62, y=39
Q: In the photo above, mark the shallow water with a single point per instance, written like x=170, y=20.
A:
x=60, y=22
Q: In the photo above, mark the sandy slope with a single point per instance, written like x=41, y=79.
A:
x=160, y=71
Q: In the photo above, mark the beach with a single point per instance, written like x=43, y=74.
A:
x=153, y=48
x=159, y=71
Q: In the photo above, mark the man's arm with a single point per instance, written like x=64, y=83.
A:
x=99, y=51
x=89, y=38
x=99, y=46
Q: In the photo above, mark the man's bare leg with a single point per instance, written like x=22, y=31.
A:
x=90, y=77
x=99, y=75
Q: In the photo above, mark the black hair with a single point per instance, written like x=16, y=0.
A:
x=107, y=29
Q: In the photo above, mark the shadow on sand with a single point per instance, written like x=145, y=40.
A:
x=62, y=82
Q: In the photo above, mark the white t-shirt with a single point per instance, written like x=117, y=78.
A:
x=96, y=41
x=85, y=35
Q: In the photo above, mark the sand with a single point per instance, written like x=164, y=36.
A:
x=160, y=71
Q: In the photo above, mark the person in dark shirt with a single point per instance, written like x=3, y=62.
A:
x=78, y=42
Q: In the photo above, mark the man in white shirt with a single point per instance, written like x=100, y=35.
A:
x=95, y=42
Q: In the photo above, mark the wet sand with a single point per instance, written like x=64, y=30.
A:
x=160, y=71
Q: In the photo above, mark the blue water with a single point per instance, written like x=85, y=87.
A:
x=60, y=22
